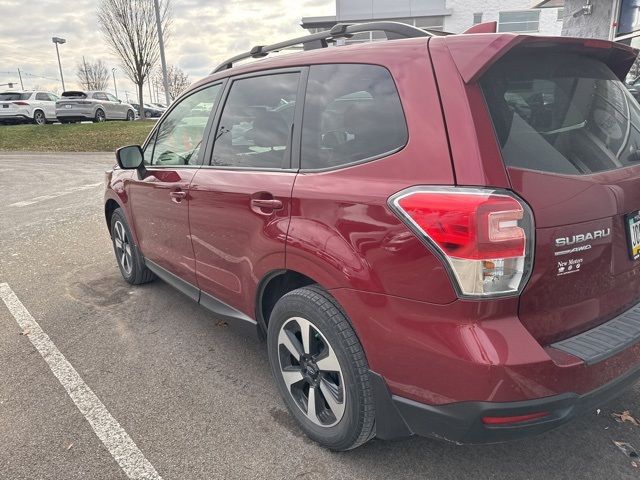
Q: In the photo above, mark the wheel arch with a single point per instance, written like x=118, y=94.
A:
x=110, y=206
x=273, y=286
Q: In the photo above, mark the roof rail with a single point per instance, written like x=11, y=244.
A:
x=393, y=30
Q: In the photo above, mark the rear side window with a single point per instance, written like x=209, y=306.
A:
x=352, y=113
x=255, y=126
x=562, y=113
x=42, y=96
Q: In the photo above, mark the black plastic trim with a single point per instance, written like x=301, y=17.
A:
x=606, y=340
x=462, y=422
x=173, y=280
x=237, y=320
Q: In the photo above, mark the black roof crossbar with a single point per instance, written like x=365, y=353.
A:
x=393, y=31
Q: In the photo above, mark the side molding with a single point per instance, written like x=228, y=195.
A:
x=236, y=320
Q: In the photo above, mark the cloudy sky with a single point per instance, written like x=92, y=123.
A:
x=204, y=32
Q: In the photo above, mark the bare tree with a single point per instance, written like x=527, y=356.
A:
x=178, y=81
x=130, y=29
x=93, y=75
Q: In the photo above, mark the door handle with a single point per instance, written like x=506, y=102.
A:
x=177, y=196
x=266, y=203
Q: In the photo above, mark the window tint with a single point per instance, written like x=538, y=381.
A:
x=42, y=96
x=255, y=125
x=352, y=113
x=8, y=96
x=562, y=113
x=180, y=135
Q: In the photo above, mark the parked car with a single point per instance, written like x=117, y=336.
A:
x=159, y=105
x=150, y=111
x=77, y=106
x=436, y=235
x=22, y=106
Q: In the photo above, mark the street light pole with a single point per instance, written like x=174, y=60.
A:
x=115, y=87
x=165, y=79
x=58, y=40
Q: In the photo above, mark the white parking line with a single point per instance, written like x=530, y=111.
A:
x=108, y=430
x=42, y=198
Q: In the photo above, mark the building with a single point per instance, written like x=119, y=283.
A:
x=453, y=16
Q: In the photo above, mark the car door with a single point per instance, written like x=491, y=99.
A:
x=160, y=196
x=119, y=110
x=50, y=109
x=240, y=202
x=101, y=98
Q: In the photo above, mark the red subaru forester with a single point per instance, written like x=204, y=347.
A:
x=436, y=235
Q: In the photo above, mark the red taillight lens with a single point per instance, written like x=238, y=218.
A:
x=514, y=419
x=20, y=103
x=484, y=235
x=468, y=226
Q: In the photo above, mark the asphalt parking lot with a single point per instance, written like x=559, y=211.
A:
x=195, y=398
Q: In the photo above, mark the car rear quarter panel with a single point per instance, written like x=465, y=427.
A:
x=342, y=232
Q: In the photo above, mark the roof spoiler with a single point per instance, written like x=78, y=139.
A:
x=486, y=27
x=474, y=58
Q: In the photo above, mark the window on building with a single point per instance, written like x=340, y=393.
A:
x=560, y=17
x=255, y=126
x=477, y=18
x=522, y=21
x=352, y=113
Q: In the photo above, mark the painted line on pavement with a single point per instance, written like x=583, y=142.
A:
x=111, y=434
x=42, y=198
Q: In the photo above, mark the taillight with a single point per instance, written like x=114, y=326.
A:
x=20, y=103
x=485, y=236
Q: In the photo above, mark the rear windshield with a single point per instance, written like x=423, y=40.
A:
x=75, y=94
x=14, y=96
x=562, y=113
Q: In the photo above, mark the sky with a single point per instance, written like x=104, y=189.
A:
x=203, y=34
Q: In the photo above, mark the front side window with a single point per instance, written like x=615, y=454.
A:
x=523, y=21
x=179, y=137
x=256, y=123
x=352, y=113
x=562, y=113
x=111, y=97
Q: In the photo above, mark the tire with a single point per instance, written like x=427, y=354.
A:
x=131, y=116
x=39, y=118
x=147, y=114
x=332, y=363
x=100, y=116
x=128, y=256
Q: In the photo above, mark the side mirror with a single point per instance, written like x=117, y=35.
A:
x=130, y=158
x=119, y=101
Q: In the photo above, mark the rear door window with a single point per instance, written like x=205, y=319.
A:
x=562, y=113
x=352, y=113
x=256, y=124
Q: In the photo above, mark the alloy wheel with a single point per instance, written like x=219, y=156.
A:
x=123, y=247
x=100, y=117
x=311, y=372
x=39, y=118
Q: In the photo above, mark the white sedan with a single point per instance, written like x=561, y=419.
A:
x=19, y=106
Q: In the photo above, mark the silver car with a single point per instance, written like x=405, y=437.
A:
x=77, y=106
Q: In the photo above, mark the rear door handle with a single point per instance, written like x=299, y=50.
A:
x=177, y=196
x=266, y=204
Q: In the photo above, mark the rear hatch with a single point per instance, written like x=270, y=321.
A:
x=11, y=101
x=72, y=98
x=569, y=134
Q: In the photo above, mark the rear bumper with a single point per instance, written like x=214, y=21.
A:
x=15, y=117
x=462, y=422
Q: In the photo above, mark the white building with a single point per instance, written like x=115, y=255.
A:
x=449, y=15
